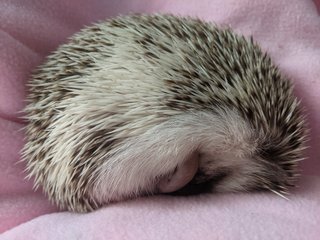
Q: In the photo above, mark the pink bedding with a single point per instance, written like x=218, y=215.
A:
x=288, y=29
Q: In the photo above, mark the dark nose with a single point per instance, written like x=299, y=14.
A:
x=194, y=187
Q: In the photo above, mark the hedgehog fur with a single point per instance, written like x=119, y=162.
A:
x=147, y=104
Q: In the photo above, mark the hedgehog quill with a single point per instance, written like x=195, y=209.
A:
x=150, y=104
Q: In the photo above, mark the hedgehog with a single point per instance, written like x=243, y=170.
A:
x=148, y=104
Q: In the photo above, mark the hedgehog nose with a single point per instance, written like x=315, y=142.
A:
x=181, y=177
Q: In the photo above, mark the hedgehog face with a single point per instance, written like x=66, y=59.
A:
x=248, y=174
x=240, y=159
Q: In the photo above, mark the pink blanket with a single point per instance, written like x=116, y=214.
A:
x=288, y=29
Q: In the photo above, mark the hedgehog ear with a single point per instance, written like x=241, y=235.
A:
x=182, y=175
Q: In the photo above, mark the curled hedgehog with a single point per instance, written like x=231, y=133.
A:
x=151, y=104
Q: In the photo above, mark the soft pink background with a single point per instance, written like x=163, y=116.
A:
x=288, y=29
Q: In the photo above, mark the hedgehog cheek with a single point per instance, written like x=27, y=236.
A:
x=183, y=174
